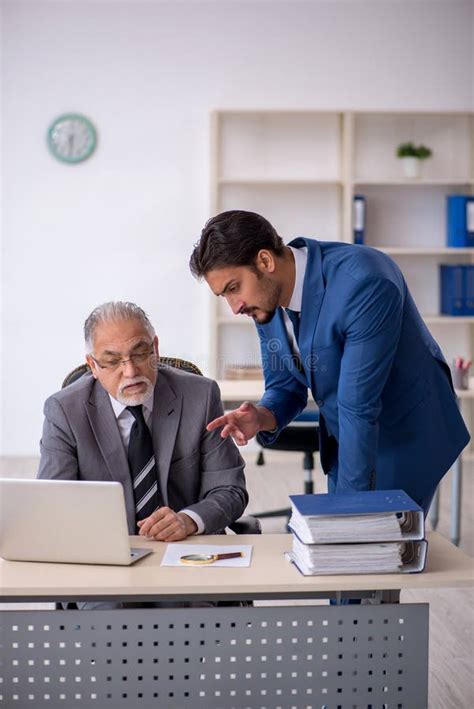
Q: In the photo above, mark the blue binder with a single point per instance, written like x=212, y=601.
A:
x=460, y=220
x=358, y=218
x=457, y=289
x=410, y=515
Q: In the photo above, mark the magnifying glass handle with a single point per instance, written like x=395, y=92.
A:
x=229, y=555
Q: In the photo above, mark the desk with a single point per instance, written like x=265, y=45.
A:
x=277, y=656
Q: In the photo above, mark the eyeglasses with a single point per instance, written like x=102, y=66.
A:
x=135, y=359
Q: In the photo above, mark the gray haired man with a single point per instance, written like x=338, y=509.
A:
x=144, y=425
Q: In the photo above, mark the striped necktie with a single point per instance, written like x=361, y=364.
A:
x=142, y=466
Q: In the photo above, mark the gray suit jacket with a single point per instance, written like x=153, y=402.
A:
x=197, y=470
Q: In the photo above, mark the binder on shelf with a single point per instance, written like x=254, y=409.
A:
x=406, y=557
x=358, y=218
x=457, y=289
x=460, y=220
x=367, y=516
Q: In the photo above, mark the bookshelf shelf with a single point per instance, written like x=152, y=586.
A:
x=448, y=319
x=415, y=182
x=442, y=251
x=270, y=182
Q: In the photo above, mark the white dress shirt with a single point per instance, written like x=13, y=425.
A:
x=296, y=300
x=125, y=421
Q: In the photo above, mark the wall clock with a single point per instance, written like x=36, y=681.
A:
x=72, y=138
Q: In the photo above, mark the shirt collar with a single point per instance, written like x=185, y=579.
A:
x=120, y=408
x=301, y=258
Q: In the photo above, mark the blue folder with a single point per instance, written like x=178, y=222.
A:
x=457, y=289
x=359, y=218
x=411, y=517
x=460, y=220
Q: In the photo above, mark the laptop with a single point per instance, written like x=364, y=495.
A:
x=65, y=521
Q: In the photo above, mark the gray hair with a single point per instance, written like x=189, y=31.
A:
x=111, y=312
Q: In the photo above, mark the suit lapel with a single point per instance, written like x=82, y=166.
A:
x=167, y=407
x=313, y=295
x=104, y=427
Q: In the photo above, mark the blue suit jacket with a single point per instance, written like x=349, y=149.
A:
x=387, y=408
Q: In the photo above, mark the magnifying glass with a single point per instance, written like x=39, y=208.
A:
x=198, y=559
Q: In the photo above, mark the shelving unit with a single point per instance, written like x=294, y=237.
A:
x=301, y=170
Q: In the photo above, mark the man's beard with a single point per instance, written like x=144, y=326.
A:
x=134, y=399
x=271, y=293
x=265, y=317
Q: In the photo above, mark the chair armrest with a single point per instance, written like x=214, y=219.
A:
x=246, y=525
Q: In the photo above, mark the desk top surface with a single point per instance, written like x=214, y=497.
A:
x=270, y=574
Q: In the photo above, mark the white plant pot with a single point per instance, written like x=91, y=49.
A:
x=411, y=167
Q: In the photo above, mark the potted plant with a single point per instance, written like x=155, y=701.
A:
x=411, y=156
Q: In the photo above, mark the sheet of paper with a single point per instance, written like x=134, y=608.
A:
x=173, y=553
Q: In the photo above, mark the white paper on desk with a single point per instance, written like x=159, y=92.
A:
x=174, y=552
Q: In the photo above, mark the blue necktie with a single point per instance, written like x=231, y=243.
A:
x=295, y=321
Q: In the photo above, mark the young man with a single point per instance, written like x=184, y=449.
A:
x=144, y=425
x=338, y=319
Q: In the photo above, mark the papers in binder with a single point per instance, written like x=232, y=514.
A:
x=373, y=558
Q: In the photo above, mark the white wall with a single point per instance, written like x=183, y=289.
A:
x=147, y=73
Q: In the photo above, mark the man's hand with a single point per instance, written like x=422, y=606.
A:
x=244, y=423
x=165, y=525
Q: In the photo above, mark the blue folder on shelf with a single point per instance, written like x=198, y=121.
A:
x=368, y=516
x=457, y=289
x=358, y=218
x=460, y=220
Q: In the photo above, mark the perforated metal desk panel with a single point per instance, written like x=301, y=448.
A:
x=321, y=657
x=306, y=656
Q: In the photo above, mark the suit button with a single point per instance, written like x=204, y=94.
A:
x=320, y=402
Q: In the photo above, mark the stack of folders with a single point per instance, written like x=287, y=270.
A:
x=377, y=532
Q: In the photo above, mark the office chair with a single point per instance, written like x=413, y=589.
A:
x=244, y=525
x=302, y=436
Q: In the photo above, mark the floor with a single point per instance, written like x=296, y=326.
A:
x=451, y=679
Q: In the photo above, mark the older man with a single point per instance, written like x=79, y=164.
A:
x=144, y=425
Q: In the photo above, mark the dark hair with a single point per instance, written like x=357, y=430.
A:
x=233, y=238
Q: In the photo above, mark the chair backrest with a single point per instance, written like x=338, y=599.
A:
x=175, y=362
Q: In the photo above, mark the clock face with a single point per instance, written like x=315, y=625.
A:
x=72, y=138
